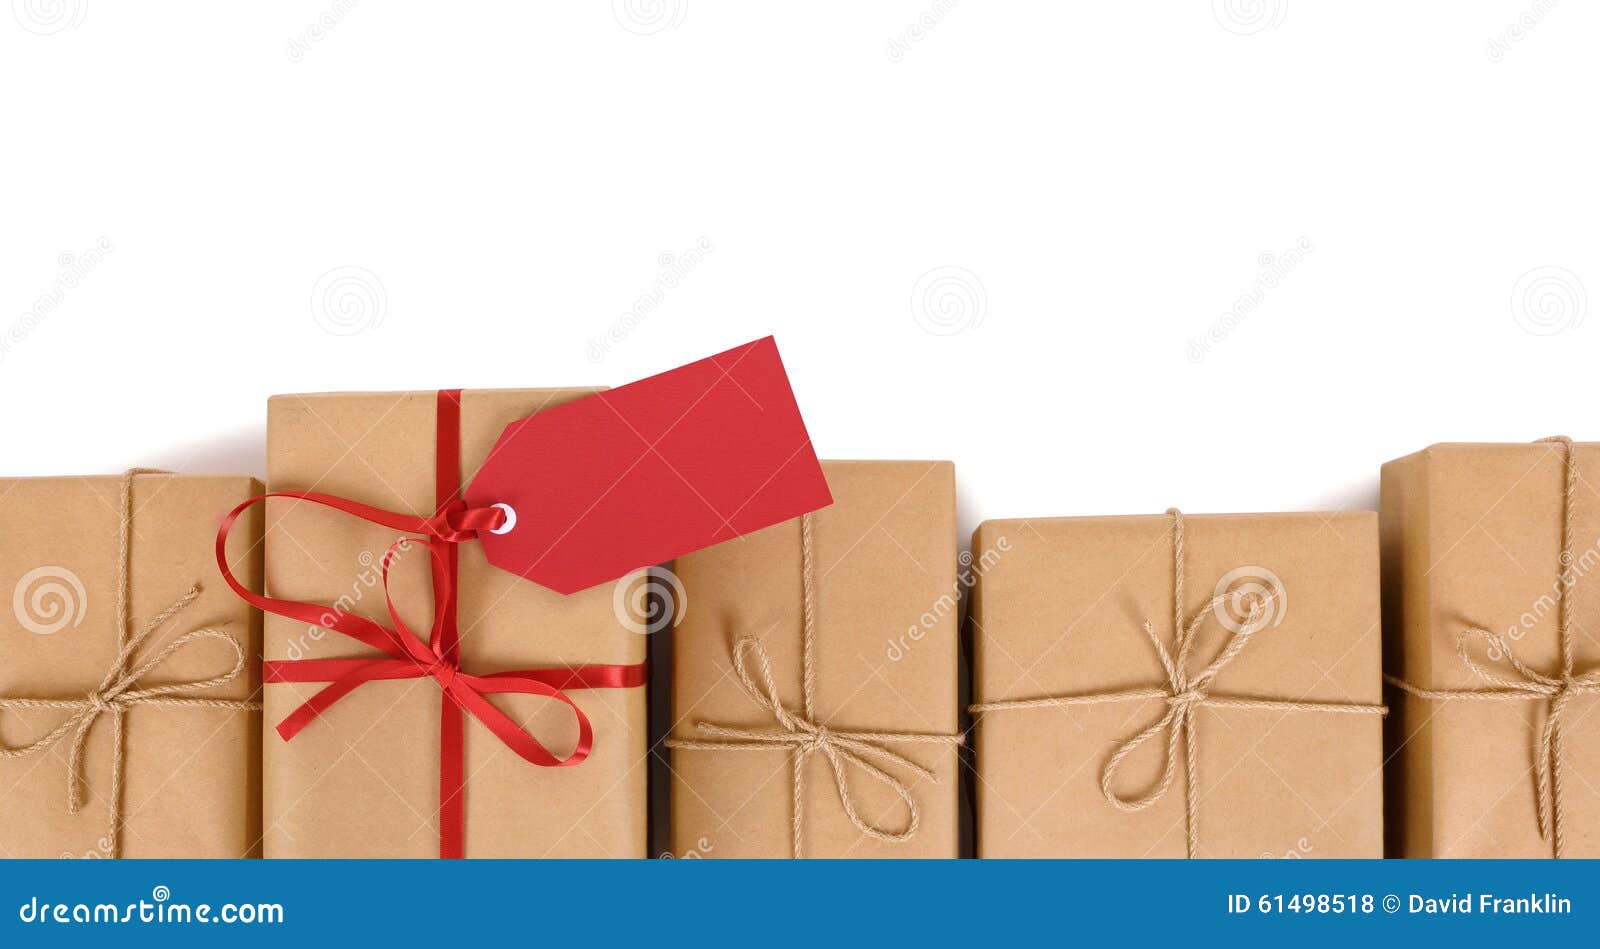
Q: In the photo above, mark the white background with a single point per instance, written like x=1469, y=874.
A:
x=1012, y=235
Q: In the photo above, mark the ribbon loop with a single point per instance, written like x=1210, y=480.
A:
x=404, y=655
x=408, y=657
x=456, y=523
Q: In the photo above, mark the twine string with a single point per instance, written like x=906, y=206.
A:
x=1184, y=694
x=119, y=689
x=1556, y=691
x=801, y=732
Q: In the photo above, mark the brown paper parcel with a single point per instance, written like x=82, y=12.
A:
x=126, y=696
x=1486, y=547
x=1098, y=737
x=858, y=757
x=363, y=780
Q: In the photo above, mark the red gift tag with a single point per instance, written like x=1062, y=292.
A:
x=639, y=475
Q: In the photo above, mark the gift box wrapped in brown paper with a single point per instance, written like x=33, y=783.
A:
x=815, y=677
x=1490, y=612
x=1167, y=686
x=128, y=671
x=366, y=778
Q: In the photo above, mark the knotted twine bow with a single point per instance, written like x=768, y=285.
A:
x=800, y=730
x=119, y=689
x=1558, y=690
x=1185, y=694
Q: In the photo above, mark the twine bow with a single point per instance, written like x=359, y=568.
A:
x=1558, y=690
x=120, y=690
x=1184, y=694
x=800, y=731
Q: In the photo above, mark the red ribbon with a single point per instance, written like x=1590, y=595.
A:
x=405, y=656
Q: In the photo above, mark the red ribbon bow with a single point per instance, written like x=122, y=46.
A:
x=406, y=656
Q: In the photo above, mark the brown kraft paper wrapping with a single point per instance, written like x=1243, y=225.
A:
x=363, y=779
x=189, y=774
x=884, y=658
x=1476, y=575
x=1282, y=681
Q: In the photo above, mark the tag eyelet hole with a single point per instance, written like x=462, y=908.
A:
x=511, y=519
